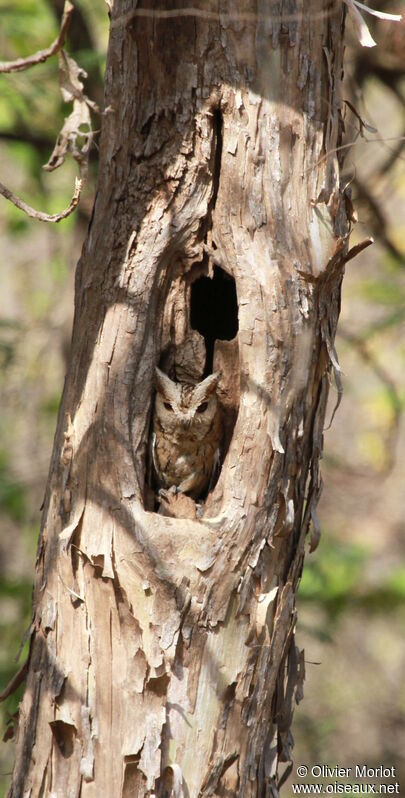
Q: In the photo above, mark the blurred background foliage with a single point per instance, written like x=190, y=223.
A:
x=352, y=594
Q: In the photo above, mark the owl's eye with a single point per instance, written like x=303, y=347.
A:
x=202, y=407
x=167, y=406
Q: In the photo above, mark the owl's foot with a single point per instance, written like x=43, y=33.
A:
x=176, y=504
x=166, y=494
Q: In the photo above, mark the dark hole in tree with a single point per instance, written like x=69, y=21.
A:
x=214, y=311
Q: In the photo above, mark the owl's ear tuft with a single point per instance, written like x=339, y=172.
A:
x=211, y=382
x=159, y=377
x=207, y=386
x=164, y=385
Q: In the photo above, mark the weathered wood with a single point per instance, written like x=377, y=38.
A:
x=163, y=658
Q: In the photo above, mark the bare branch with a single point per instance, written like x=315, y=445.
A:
x=42, y=55
x=15, y=682
x=44, y=217
x=77, y=125
x=358, y=248
x=363, y=124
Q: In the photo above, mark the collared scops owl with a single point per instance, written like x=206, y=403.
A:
x=186, y=436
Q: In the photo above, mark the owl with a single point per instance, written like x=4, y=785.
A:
x=187, y=433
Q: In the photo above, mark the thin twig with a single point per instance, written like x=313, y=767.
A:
x=44, y=217
x=42, y=55
x=394, y=155
x=351, y=144
x=15, y=682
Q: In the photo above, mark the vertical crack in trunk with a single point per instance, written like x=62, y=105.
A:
x=217, y=141
x=218, y=136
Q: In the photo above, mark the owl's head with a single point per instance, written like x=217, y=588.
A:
x=186, y=410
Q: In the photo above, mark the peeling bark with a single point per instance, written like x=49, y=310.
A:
x=163, y=658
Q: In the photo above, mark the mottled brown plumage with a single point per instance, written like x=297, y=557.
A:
x=187, y=432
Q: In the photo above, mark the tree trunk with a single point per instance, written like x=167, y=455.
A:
x=163, y=659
